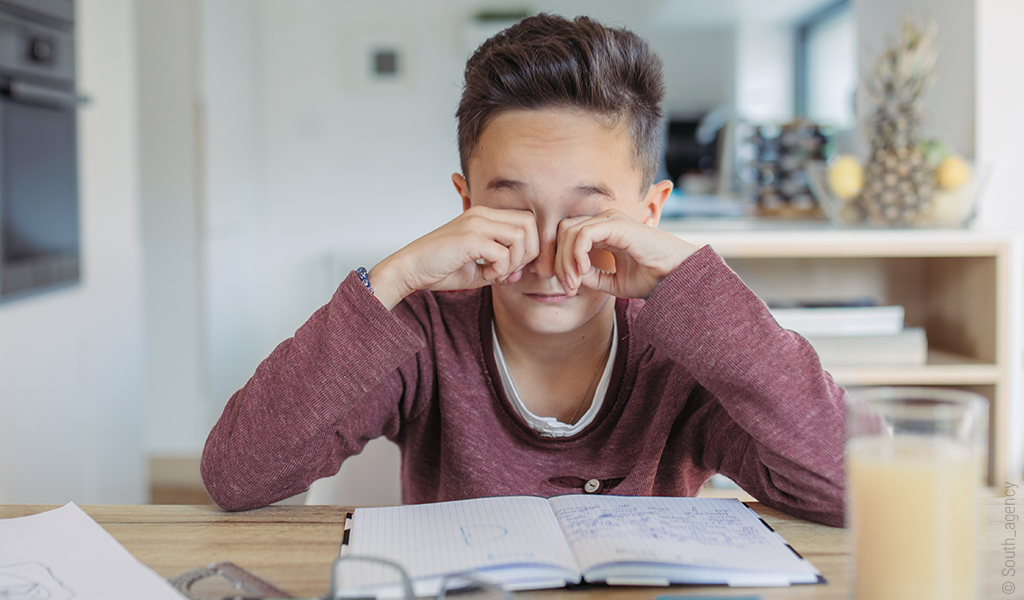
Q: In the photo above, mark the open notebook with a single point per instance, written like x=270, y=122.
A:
x=529, y=542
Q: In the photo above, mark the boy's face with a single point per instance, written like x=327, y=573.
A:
x=557, y=164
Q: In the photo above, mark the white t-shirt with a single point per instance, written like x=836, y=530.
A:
x=550, y=426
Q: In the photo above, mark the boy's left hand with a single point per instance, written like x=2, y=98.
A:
x=644, y=255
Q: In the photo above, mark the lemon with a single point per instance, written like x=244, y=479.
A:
x=846, y=176
x=952, y=172
x=953, y=207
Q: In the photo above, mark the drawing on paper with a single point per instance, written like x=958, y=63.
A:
x=31, y=581
x=478, y=535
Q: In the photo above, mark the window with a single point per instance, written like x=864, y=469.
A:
x=826, y=66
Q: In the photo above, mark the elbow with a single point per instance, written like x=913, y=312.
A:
x=227, y=496
x=224, y=489
x=826, y=511
x=815, y=496
x=832, y=515
x=825, y=505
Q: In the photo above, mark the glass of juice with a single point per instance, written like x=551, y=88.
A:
x=914, y=465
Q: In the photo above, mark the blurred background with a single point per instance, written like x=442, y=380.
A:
x=236, y=158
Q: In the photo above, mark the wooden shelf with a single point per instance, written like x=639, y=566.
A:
x=942, y=368
x=754, y=240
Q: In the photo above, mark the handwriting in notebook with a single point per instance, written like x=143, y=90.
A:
x=708, y=525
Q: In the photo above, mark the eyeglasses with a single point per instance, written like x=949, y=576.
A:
x=353, y=577
x=225, y=581
x=365, y=577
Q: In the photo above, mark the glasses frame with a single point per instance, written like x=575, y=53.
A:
x=240, y=578
x=251, y=583
x=406, y=583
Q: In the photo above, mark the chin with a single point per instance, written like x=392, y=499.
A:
x=552, y=324
x=550, y=314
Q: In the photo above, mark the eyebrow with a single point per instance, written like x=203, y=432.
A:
x=581, y=191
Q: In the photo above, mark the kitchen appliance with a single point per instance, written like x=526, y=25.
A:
x=39, y=215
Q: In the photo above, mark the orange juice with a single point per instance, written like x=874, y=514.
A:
x=913, y=518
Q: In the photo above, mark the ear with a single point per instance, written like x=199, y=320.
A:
x=462, y=186
x=654, y=201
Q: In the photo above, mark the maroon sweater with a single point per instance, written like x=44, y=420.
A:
x=704, y=381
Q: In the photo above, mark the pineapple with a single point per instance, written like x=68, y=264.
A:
x=899, y=182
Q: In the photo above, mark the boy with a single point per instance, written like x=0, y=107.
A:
x=550, y=339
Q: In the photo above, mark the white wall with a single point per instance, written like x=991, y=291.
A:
x=1000, y=117
x=765, y=59
x=700, y=67
x=70, y=360
x=171, y=222
x=229, y=54
x=1000, y=154
x=345, y=168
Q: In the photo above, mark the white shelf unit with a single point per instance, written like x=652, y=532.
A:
x=954, y=283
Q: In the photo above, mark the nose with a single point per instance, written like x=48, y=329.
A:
x=544, y=265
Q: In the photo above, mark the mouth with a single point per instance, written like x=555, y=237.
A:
x=548, y=298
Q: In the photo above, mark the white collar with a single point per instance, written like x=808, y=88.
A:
x=550, y=426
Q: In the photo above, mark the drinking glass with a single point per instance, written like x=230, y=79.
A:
x=914, y=463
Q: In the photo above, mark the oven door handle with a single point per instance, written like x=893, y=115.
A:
x=30, y=93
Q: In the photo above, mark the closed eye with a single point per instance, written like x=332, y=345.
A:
x=585, y=191
x=499, y=184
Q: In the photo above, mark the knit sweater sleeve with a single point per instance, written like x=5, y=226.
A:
x=345, y=378
x=773, y=420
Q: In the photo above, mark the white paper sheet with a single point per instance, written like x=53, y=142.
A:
x=63, y=554
x=464, y=535
x=514, y=541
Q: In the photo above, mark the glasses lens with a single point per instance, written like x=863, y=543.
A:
x=361, y=577
x=470, y=587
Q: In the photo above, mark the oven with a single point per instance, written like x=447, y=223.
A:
x=39, y=213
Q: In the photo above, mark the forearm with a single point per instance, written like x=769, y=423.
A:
x=788, y=413
x=252, y=458
x=307, y=407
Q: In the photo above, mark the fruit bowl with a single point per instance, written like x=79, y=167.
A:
x=838, y=185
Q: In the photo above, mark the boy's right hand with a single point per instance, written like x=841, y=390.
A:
x=504, y=241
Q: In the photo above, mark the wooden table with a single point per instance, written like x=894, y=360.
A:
x=293, y=546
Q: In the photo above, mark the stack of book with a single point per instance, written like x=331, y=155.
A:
x=856, y=335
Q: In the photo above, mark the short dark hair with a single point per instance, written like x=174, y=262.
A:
x=548, y=61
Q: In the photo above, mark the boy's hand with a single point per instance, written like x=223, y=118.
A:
x=644, y=255
x=447, y=258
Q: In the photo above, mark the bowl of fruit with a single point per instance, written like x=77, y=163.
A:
x=937, y=192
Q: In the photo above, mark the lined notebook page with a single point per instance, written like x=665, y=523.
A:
x=704, y=532
x=479, y=534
